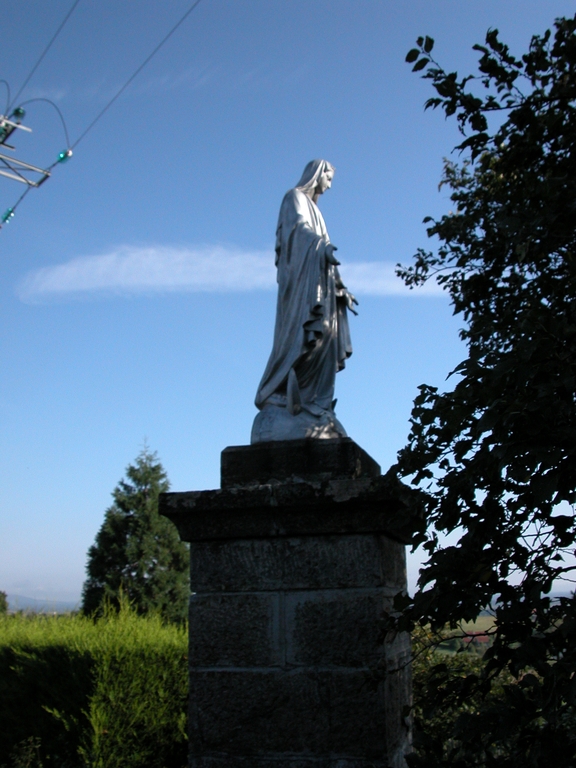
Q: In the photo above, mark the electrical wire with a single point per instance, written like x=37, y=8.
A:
x=137, y=72
x=7, y=94
x=22, y=196
x=45, y=51
x=49, y=101
x=10, y=212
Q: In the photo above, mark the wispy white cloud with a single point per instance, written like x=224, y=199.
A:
x=101, y=90
x=191, y=78
x=262, y=78
x=214, y=75
x=143, y=270
x=135, y=270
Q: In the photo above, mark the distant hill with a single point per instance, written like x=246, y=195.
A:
x=21, y=603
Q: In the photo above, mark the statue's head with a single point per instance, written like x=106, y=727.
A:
x=317, y=177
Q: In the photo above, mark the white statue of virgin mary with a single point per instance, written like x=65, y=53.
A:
x=311, y=336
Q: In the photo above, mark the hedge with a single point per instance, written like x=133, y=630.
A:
x=80, y=693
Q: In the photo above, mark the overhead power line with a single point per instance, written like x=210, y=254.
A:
x=16, y=169
x=7, y=94
x=58, y=110
x=137, y=72
x=44, y=52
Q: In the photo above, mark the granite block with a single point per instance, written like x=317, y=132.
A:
x=283, y=460
x=339, y=506
x=234, y=630
x=334, y=628
x=237, y=565
x=393, y=561
x=305, y=562
x=332, y=562
x=258, y=713
x=294, y=761
x=357, y=712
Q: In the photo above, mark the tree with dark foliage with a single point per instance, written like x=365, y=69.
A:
x=495, y=457
x=3, y=602
x=137, y=552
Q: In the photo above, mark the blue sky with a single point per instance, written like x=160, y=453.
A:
x=137, y=285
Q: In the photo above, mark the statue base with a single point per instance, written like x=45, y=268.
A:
x=275, y=422
x=293, y=562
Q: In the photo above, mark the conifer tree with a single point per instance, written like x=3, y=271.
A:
x=137, y=552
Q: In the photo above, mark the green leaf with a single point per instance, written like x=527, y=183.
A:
x=428, y=44
x=401, y=601
x=420, y=64
x=412, y=55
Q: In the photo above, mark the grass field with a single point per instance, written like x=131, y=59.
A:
x=482, y=624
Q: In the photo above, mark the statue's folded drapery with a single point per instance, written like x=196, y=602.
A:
x=311, y=336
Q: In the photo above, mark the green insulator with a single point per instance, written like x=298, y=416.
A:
x=18, y=114
x=7, y=215
x=65, y=155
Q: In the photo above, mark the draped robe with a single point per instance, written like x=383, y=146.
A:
x=311, y=335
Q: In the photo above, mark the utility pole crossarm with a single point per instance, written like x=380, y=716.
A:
x=15, y=165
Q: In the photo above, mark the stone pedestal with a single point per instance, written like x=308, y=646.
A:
x=293, y=563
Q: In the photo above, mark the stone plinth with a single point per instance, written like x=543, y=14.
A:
x=293, y=563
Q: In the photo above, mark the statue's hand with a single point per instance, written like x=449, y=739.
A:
x=350, y=301
x=329, y=252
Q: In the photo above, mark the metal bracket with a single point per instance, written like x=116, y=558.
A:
x=11, y=162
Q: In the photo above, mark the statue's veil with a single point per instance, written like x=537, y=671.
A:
x=311, y=175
